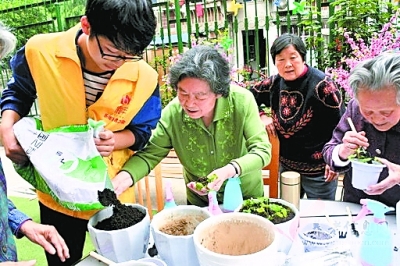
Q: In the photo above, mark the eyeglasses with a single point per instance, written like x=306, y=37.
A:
x=111, y=57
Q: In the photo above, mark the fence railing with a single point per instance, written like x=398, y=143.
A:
x=252, y=26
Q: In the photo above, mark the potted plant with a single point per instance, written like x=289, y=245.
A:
x=365, y=169
x=283, y=214
x=119, y=232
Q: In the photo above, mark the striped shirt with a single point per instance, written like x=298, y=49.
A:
x=95, y=84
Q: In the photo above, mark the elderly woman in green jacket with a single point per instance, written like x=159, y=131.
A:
x=213, y=126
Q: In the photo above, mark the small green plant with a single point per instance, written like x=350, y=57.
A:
x=362, y=155
x=202, y=182
x=275, y=212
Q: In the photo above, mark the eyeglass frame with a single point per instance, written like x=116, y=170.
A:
x=116, y=57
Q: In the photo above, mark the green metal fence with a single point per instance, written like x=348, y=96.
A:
x=252, y=25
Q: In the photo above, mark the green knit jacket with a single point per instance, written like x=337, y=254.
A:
x=236, y=134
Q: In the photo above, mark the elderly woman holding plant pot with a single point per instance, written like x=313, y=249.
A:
x=212, y=125
x=375, y=112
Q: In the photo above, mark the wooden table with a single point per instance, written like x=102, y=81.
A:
x=314, y=211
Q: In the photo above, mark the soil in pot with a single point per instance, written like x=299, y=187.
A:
x=123, y=215
x=181, y=227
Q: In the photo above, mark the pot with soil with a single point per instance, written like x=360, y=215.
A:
x=366, y=169
x=284, y=215
x=236, y=239
x=119, y=232
x=172, y=231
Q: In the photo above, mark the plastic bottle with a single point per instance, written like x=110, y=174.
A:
x=169, y=196
x=213, y=206
x=233, y=197
x=377, y=238
x=290, y=187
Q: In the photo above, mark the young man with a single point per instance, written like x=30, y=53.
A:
x=92, y=70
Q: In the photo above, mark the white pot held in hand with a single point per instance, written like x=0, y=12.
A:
x=365, y=174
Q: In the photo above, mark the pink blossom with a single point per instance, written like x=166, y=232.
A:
x=388, y=39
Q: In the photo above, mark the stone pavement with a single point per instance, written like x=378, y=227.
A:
x=16, y=185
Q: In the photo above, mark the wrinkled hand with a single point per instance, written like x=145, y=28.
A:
x=47, y=237
x=12, y=148
x=330, y=175
x=269, y=125
x=192, y=187
x=121, y=182
x=351, y=142
x=19, y=263
x=390, y=181
x=105, y=143
x=222, y=174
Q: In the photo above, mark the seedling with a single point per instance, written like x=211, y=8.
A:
x=203, y=182
x=261, y=206
x=362, y=155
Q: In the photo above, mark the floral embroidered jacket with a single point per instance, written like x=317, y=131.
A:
x=305, y=112
x=11, y=220
x=236, y=134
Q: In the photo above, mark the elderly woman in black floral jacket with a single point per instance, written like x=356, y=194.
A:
x=306, y=106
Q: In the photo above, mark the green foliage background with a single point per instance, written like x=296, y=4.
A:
x=29, y=17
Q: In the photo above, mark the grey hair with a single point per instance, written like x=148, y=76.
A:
x=377, y=73
x=7, y=41
x=205, y=63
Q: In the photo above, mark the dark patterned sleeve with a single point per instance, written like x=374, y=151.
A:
x=329, y=94
x=261, y=91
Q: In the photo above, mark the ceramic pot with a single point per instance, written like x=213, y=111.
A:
x=177, y=250
x=365, y=174
x=236, y=239
x=120, y=245
x=287, y=230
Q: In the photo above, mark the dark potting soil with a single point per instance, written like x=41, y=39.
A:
x=123, y=215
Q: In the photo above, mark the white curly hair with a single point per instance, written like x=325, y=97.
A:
x=7, y=41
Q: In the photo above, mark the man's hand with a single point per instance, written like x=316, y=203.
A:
x=12, y=148
x=105, y=143
x=47, y=237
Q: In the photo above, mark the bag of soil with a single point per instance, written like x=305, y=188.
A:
x=64, y=163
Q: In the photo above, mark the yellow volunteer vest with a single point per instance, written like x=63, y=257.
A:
x=57, y=73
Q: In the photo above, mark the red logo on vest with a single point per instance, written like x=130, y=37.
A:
x=119, y=112
x=125, y=100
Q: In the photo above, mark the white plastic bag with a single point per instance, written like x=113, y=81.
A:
x=64, y=163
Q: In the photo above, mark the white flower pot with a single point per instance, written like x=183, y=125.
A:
x=287, y=230
x=236, y=239
x=120, y=245
x=365, y=174
x=177, y=250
